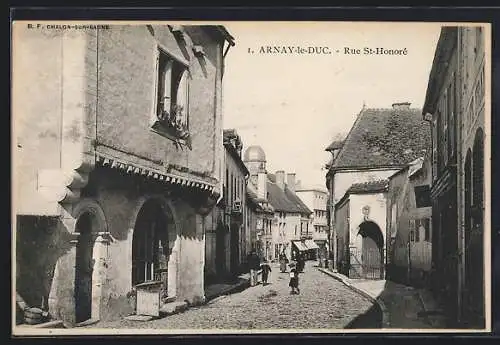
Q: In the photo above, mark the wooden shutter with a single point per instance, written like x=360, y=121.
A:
x=166, y=85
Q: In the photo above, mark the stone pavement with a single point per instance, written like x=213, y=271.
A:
x=219, y=289
x=403, y=307
x=323, y=304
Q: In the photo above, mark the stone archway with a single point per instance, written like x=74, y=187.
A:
x=84, y=267
x=90, y=259
x=154, y=245
x=372, y=249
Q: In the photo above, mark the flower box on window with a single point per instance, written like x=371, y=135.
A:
x=172, y=117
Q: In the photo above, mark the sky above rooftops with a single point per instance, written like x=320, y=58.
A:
x=294, y=105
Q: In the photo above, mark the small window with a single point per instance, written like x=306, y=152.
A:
x=172, y=97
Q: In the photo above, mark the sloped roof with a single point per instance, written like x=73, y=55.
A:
x=336, y=144
x=258, y=203
x=364, y=188
x=284, y=199
x=390, y=137
x=368, y=187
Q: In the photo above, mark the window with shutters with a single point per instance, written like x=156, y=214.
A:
x=172, y=107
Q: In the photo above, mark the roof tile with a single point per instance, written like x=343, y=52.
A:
x=385, y=137
x=368, y=187
x=284, y=199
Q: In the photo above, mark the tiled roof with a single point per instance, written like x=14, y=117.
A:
x=384, y=138
x=284, y=199
x=368, y=187
x=259, y=203
x=336, y=144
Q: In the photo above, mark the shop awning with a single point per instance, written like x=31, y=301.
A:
x=300, y=246
x=311, y=244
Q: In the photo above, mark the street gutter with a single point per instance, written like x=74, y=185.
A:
x=366, y=294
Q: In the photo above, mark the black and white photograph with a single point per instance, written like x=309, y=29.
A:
x=243, y=177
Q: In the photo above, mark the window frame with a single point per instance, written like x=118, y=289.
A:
x=156, y=125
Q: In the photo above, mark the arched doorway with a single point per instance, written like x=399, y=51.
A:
x=84, y=267
x=372, y=258
x=151, y=249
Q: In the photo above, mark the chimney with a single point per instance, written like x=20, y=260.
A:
x=262, y=185
x=401, y=106
x=280, y=179
x=290, y=181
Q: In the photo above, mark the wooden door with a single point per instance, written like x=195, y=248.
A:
x=371, y=259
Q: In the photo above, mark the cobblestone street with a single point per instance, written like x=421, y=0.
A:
x=323, y=303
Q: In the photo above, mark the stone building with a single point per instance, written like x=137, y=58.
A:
x=456, y=106
x=228, y=238
x=360, y=221
x=315, y=198
x=291, y=216
x=118, y=143
x=259, y=222
x=380, y=143
x=409, y=224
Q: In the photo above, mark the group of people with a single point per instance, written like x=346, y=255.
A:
x=295, y=267
x=255, y=266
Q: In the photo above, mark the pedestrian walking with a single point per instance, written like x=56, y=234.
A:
x=253, y=262
x=294, y=280
x=283, y=262
x=266, y=269
x=300, y=262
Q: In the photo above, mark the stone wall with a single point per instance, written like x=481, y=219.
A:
x=119, y=201
x=128, y=83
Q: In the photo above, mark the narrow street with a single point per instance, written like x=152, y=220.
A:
x=323, y=303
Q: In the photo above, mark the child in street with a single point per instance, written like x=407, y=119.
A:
x=294, y=280
x=266, y=269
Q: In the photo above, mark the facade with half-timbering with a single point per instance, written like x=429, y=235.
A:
x=117, y=161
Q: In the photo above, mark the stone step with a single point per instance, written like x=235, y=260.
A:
x=141, y=318
x=173, y=308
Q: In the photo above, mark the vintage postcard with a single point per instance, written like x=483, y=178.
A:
x=250, y=177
